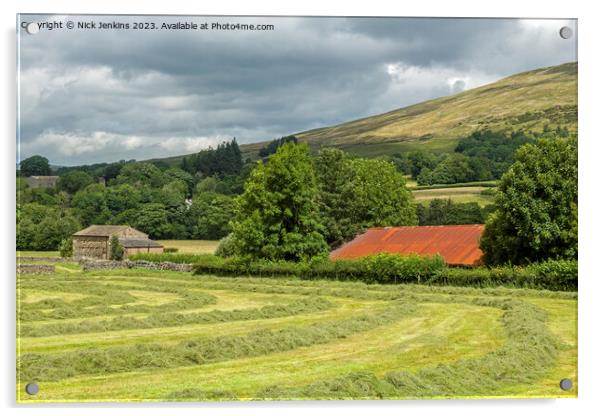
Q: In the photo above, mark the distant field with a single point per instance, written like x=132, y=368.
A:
x=460, y=194
x=192, y=246
x=132, y=334
x=37, y=253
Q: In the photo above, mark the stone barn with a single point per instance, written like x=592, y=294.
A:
x=41, y=181
x=95, y=241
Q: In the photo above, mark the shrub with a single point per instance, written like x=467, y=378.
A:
x=117, y=250
x=66, y=247
x=170, y=250
x=226, y=247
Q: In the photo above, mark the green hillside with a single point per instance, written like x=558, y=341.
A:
x=529, y=100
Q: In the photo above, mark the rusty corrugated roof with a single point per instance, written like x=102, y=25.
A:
x=457, y=244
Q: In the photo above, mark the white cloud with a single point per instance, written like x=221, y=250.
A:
x=69, y=144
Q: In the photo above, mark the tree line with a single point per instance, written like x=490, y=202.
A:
x=296, y=206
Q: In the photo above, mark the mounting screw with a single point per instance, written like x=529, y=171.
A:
x=32, y=389
x=566, y=32
x=566, y=384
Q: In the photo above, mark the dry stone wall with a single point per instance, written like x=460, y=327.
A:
x=35, y=268
x=93, y=264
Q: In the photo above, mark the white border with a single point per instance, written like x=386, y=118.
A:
x=590, y=234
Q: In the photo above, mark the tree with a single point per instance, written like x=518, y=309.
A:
x=42, y=227
x=272, y=146
x=447, y=212
x=152, y=219
x=380, y=196
x=120, y=198
x=35, y=166
x=355, y=194
x=117, y=249
x=335, y=183
x=421, y=160
x=536, y=206
x=276, y=216
x=212, y=213
x=90, y=205
x=454, y=168
x=66, y=247
x=181, y=175
x=73, y=181
x=141, y=174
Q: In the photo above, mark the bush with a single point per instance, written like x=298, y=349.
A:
x=226, y=247
x=66, y=247
x=170, y=250
x=117, y=250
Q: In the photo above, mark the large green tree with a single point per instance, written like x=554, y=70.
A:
x=74, y=180
x=277, y=216
x=359, y=193
x=536, y=206
x=42, y=227
x=212, y=213
x=34, y=166
x=90, y=205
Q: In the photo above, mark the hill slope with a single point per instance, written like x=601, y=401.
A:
x=527, y=100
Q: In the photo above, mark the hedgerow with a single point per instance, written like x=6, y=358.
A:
x=392, y=269
x=381, y=268
x=551, y=275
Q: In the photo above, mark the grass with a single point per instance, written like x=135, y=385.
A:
x=286, y=338
x=192, y=246
x=21, y=253
x=456, y=194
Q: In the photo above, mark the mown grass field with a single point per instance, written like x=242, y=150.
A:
x=131, y=335
x=456, y=194
x=192, y=246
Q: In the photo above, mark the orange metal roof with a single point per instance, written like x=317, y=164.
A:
x=457, y=244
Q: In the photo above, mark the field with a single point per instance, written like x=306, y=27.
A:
x=456, y=194
x=191, y=246
x=132, y=334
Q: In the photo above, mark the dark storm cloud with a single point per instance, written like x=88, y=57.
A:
x=89, y=96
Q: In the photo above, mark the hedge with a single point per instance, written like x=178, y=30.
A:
x=391, y=268
x=382, y=268
x=184, y=258
x=551, y=275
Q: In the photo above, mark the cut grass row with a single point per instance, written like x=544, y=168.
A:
x=45, y=367
x=161, y=320
x=530, y=351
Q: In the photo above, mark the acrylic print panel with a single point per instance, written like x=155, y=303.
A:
x=273, y=208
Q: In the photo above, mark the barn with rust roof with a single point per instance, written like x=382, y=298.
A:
x=95, y=241
x=457, y=244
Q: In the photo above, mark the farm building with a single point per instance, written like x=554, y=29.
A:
x=95, y=241
x=457, y=244
x=41, y=181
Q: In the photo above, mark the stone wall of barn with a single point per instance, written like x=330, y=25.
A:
x=93, y=247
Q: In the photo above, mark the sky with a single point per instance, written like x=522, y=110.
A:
x=103, y=95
